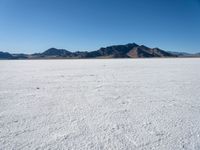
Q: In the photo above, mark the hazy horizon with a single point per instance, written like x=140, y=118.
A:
x=34, y=26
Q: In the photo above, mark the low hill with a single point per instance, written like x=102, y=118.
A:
x=5, y=55
x=184, y=54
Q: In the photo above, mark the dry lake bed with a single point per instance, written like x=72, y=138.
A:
x=104, y=104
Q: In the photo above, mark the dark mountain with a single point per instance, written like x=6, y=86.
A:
x=146, y=52
x=129, y=51
x=5, y=55
x=56, y=52
x=51, y=53
x=116, y=51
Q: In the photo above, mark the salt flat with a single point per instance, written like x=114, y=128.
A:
x=100, y=104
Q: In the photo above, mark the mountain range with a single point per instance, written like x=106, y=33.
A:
x=131, y=50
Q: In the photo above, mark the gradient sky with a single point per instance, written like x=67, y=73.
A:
x=29, y=26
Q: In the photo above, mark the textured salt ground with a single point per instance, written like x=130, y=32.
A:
x=100, y=104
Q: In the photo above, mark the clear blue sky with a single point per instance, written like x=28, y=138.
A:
x=35, y=25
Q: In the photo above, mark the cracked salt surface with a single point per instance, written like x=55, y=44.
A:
x=100, y=104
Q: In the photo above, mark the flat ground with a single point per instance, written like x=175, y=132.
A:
x=100, y=104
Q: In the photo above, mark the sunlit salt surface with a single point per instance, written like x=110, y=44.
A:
x=100, y=104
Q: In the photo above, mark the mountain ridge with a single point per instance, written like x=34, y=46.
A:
x=131, y=50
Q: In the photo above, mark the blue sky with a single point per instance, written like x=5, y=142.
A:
x=35, y=25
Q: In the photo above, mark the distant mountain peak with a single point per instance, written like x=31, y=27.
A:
x=56, y=52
